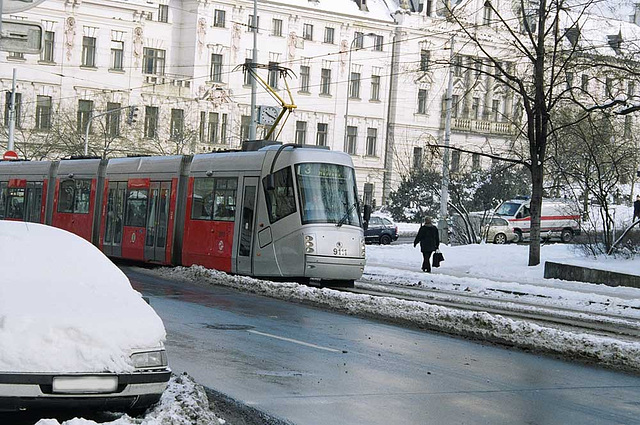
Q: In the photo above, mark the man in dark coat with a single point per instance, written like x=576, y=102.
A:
x=636, y=208
x=429, y=240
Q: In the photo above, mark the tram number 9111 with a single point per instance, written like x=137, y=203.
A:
x=339, y=251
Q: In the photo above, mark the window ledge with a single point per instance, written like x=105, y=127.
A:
x=325, y=95
x=116, y=71
x=89, y=68
x=305, y=92
x=16, y=59
x=375, y=101
x=43, y=62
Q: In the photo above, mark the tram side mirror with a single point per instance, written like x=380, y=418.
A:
x=270, y=182
x=366, y=216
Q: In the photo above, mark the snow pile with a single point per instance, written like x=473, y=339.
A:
x=480, y=325
x=65, y=307
x=184, y=402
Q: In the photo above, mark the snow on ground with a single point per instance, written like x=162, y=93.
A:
x=184, y=402
x=75, y=321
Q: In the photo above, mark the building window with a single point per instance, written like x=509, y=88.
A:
x=322, y=134
x=584, y=84
x=455, y=161
x=163, y=13
x=352, y=139
x=424, y=60
x=475, y=108
x=85, y=110
x=354, y=85
x=273, y=75
x=378, y=42
x=608, y=87
x=223, y=129
x=455, y=100
x=153, y=61
x=487, y=15
x=375, y=87
x=176, y=126
x=475, y=162
x=372, y=137
x=325, y=81
x=202, y=126
x=417, y=158
x=89, y=51
x=429, y=7
x=329, y=35
x=631, y=88
x=246, y=73
x=569, y=76
x=253, y=26
x=422, y=101
x=307, y=32
x=457, y=66
x=117, y=55
x=216, y=68
x=43, y=113
x=359, y=39
x=301, y=132
x=276, y=27
x=150, y=121
x=495, y=108
x=304, y=78
x=48, y=46
x=245, y=123
x=18, y=109
x=213, y=128
x=219, y=18
x=113, y=119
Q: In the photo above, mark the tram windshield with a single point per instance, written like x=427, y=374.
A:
x=328, y=194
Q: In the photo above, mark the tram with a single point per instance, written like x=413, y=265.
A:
x=271, y=210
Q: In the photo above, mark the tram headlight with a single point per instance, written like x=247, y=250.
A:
x=363, y=248
x=309, y=247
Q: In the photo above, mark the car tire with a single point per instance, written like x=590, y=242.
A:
x=385, y=240
x=566, y=236
x=500, y=239
x=518, y=237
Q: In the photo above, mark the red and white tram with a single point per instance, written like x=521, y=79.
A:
x=285, y=211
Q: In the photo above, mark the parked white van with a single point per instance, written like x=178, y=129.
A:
x=559, y=218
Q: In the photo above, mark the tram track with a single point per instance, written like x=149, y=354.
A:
x=559, y=317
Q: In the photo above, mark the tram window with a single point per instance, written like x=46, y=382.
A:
x=15, y=203
x=280, y=201
x=136, y=208
x=74, y=196
x=34, y=202
x=3, y=198
x=214, y=198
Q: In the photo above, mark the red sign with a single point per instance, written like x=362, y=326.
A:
x=9, y=155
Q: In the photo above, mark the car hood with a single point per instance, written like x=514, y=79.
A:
x=65, y=307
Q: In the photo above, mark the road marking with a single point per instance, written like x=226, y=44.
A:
x=295, y=341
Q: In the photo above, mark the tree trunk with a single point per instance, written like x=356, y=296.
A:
x=536, y=209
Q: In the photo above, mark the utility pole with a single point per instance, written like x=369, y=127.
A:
x=254, y=61
x=12, y=112
x=444, y=192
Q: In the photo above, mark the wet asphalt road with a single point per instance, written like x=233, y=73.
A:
x=315, y=367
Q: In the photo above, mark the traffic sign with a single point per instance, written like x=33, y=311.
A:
x=10, y=155
x=21, y=37
x=12, y=6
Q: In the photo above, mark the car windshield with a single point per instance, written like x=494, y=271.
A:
x=508, y=208
x=328, y=194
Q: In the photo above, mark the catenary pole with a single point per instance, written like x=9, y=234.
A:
x=254, y=61
x=12, y=112
x=443, y=225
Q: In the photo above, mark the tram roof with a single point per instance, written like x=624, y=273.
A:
x=145, y=165
x=79, y=167
x=24, y=168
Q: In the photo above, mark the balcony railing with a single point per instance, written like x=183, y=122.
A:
x=468, y=125
x=167, y=84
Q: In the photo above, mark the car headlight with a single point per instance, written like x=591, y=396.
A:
x=149, y=359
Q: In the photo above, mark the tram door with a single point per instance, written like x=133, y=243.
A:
x=245, y=235
x=155, y=245
x=112, y=244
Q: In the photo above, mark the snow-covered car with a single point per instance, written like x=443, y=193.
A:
x=380, y=230
x=499, y=231
x=73, y=332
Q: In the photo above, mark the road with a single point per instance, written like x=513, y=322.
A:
x=311, y=366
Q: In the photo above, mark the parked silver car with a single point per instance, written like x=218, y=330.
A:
x=499, y=231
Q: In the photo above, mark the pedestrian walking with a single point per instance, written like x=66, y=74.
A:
x=636, y=209
x=429, y=241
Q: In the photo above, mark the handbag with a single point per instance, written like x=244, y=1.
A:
x=437, y=258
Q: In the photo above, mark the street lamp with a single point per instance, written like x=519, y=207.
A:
x=346, y=110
